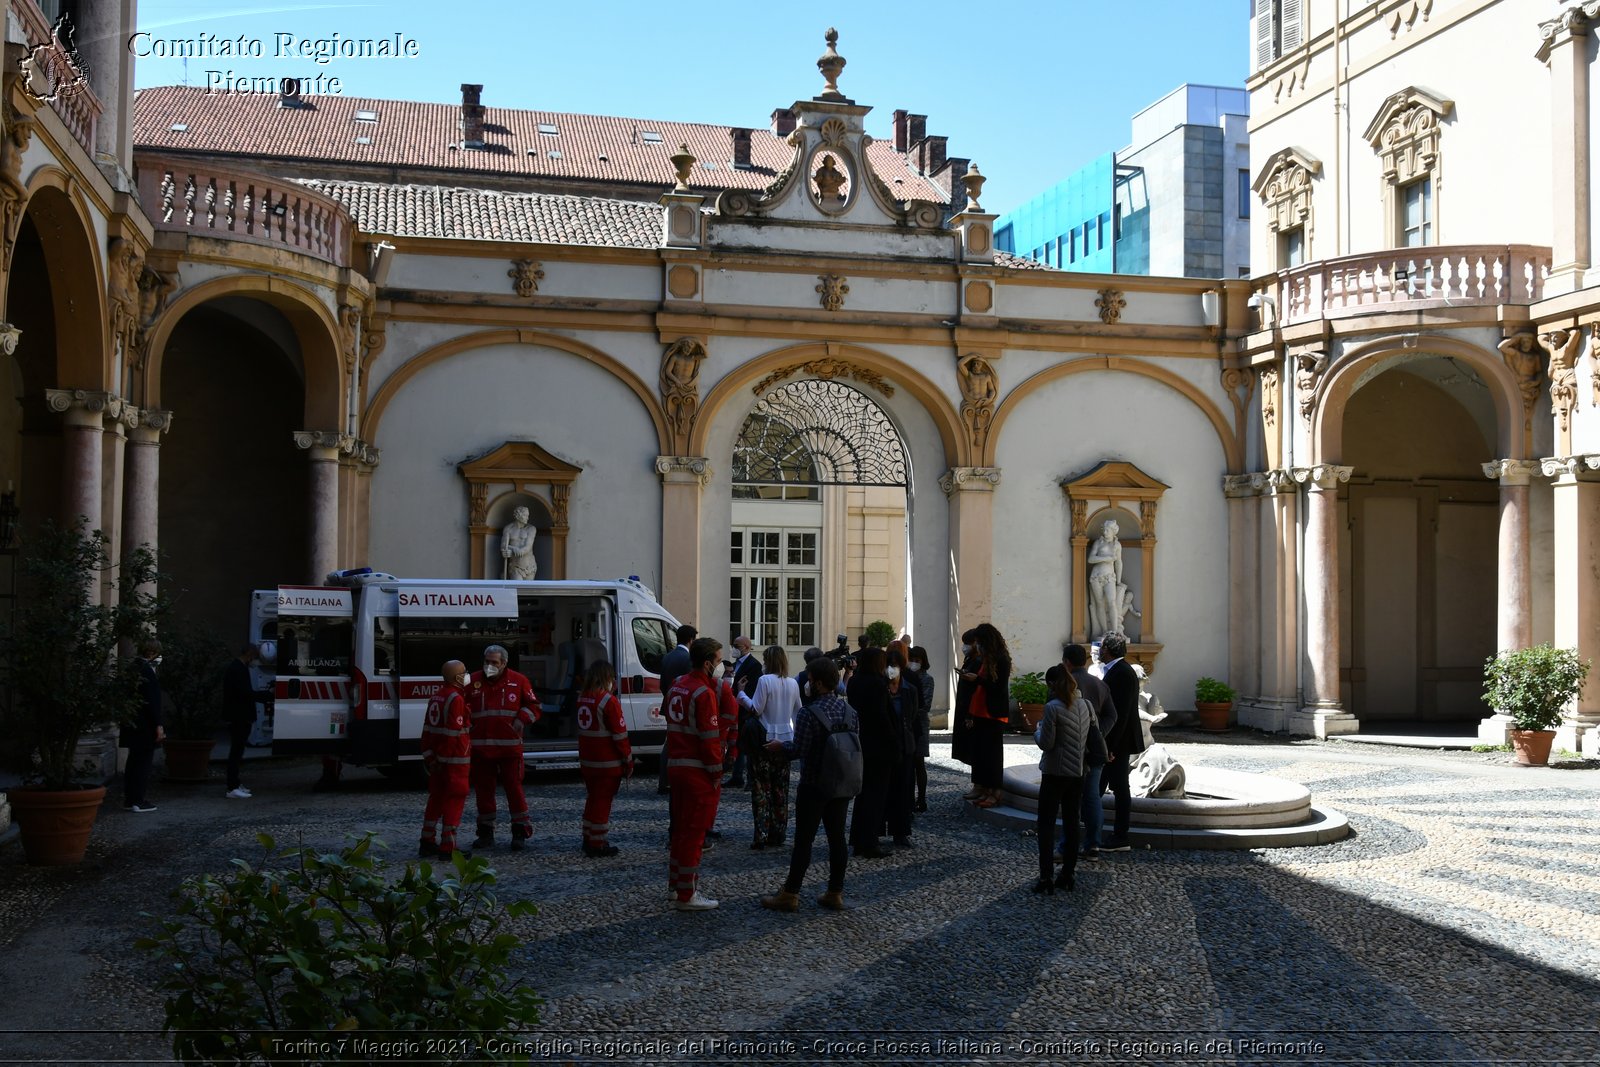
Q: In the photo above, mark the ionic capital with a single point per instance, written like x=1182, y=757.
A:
x=1322, y=477
x=1235, y=486
x=148, y=425
x=1511, y=471
x=323, y=439
x=969, y=480
x=1569, y=469
x=9, y=335
x=684, y=469
x=85, y=407
x=1573, y=22
x=1280, y=481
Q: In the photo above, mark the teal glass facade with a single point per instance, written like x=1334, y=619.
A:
x=1071, y=225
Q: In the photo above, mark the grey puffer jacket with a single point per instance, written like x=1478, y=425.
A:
x=1068, y=736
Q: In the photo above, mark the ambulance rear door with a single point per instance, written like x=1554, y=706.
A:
x=647, y=636
x=315, y=645
x=436, y=623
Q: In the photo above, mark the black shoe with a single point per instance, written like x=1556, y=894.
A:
x=1117, y=844
x=600, y=851
x=1092, y=855
x=713, y=835
x=519, y=837
x=775, y=840
x=1044, y=886
x=921, y=805
x=1064, y=881
x=904, y=842
x=428, y=848
x=758, y=844
x=449, y=857
x=485, y=838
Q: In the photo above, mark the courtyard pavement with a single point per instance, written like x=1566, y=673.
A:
x=1458, y=924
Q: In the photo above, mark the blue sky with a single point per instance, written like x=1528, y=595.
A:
x=1028, y=91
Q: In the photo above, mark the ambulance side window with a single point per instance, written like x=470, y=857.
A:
x=383, y=645
x=652, y=639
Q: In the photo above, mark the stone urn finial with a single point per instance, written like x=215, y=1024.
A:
x=683, y=162
x=831, y=64
x=973, y=181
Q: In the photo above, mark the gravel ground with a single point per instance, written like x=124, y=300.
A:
x=1457, y=924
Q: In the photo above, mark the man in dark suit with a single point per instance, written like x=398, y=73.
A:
x=141, y=736
x=673, y=664
x=746, y=673
x=1127, y=736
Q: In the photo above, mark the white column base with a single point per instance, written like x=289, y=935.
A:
x=1495, y=730
x=1591, y=745
x=1574, y=735
x=1322, y=722
x=1264, y=715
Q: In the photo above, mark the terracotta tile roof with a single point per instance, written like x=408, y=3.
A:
x=488, y=215
x=599, y=148
x=1006, y=259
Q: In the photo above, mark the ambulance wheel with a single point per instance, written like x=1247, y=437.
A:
x=406, y=774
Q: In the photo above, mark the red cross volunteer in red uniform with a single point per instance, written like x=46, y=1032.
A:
x=694, y=768
x=502, y=702
x=447, y=754
x=604, y=755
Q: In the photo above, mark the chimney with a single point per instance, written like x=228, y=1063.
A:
x=472, y=114
x=900, y=142
x=916, y=129
x=741, y=147
x=933, y=149
x=783, y=121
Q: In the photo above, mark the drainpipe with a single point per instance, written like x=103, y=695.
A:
x=1340, y=188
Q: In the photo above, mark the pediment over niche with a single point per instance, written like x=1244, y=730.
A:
x=516, y=462
x=1114, y=480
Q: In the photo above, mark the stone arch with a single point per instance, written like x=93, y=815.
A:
x=928, y=395
x=76, y=265
x=1231, y=449
x=313, y=324
x=392, y=385
x=1339, y=384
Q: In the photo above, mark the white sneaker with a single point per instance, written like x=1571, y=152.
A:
x=239, y=794
x=695, y=903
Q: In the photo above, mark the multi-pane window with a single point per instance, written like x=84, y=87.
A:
x=1416, y=213
x=1292, y=247
x=772, y=592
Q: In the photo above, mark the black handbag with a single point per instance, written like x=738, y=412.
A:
x=752, y=735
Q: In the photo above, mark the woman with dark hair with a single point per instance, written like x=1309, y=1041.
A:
x=905, y=701
x=604, y=755
x=961, y=729
x=775, y=704
x=988, y=712
x=1070, y=740
x=917, y=664
x=868, y=693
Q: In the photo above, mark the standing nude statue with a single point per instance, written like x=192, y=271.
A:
x=516, y=546
x=1109, y=599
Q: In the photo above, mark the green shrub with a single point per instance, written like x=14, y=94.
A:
x=1533, y=685
x=1030, y=688
x=326, y=948
x=1211, y=691
x=193, y=660
x=879, y=634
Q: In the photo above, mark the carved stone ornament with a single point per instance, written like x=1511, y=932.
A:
x=1568, y=467
x=1147, y=521
x=478, y=503
x=1594, y=364
x=1405, y=132
x=1511, y=471
x=1574, y=19
x=9, y=336
x=1323, y=476
x=833, y=289
x=349, y=331
x=680, y=384
x=107, y=405
x=980, y=387
x=560, y=504
x=1110, y=302
x=1080, y=518
x=1285, y=186
x=699, y=466
x=833, y=132
x=526, y=275
x=1526, y=361
x=309, y=439
x=374, y=335
x=125, y=268
x=1310, y=367
x=831, y=64
x=1238, y=383
x=829, y=183
x=682, y=164
x=1563, y=348
x=1269, y=397
x=973, y=183
x=826, y=369
x=969, y=479
x=156, y=419
x=1244, y=485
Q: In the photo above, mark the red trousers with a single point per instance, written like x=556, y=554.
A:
x=694, y=808
x=447, y=797
x=600, y=790
x=487, y=775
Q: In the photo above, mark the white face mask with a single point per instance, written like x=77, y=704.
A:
x=156, y=662
x=491, y=671
x=913, y=667
x=966, y=650
x=721, y=669
x=891, y=673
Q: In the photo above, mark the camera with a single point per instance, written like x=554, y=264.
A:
x=842, y=654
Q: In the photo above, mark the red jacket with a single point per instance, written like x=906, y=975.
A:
x=500, y=709
x=694, y=728
x=602, y=733
x=446, y=731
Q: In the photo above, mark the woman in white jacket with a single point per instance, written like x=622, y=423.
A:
x=775, y=704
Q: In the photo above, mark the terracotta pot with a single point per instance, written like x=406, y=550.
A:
x=55, y=824
x=188, y=761
x=1031, y=714
x=1532, y=747
x=1213, y=717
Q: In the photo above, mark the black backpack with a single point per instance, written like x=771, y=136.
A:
x=839, y=767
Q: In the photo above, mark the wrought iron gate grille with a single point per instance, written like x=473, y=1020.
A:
x=819, y=433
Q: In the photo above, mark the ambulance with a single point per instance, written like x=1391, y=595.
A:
x=353, y=662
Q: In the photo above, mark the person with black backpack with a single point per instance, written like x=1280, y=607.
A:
x=827, y=741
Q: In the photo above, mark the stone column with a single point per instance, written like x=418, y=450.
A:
x=1277, y=605
x=1244, y=585
x=141, y=495
x=82, y=450
x=1565, y=49
x=1322, y=712
x=1576, y=499
x=323, y=447
x=1514, y=616
x=683, y=482
x=971, y=493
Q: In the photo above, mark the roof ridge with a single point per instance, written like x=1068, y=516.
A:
x=474, y=190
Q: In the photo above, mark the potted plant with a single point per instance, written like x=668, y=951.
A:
x=192, y=664
x=1533, y=685
x=878, y=634
x=1030, y=693
x=65, y=679
x=1213, y=701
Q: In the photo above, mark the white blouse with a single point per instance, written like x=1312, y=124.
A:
x=777, y=702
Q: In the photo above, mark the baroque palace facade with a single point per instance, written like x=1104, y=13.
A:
x=781, y=373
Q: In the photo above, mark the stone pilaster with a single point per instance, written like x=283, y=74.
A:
x=323, y=448
x=1322, y=711
x=1564, y=48
x=683, y=483
x=1243, y=493
x=971, y=494
x=1576, y=500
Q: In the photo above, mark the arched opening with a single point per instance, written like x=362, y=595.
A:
x=820, y=539
x=1418, y=527
x=233, y=486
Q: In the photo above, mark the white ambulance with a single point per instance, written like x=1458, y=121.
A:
x=353, y=662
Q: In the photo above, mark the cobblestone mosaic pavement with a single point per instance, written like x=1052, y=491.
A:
x=1456, y=925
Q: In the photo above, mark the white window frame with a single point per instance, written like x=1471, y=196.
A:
x=751, y=576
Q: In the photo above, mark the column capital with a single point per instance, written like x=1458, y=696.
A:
x=309, y=439
x=1567, y=469
x=85, y=407
x=158, y=420
x=969, y=480
x=1322, y=477
x=9, y=335
x=684, y=469
x=1235, y=486
x=1572, y=22
x=1511, y=471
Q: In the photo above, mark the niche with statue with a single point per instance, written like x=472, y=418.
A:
x=1113, y=509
